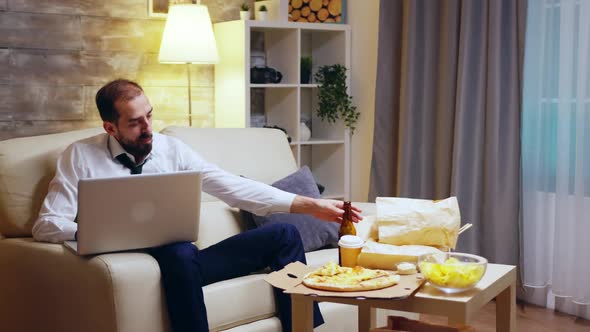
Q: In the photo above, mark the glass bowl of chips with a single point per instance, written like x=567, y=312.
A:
x=452, y=272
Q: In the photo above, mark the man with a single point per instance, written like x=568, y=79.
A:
x=130, y=146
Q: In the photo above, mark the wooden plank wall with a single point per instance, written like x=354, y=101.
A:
x=55, y=54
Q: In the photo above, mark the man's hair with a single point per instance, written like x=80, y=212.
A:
x=108, y=95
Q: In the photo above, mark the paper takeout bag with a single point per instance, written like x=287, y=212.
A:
x=407, y=221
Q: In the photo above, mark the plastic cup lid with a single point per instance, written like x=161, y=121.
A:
x=350, y=241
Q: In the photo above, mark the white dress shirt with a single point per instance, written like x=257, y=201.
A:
x=95, y=157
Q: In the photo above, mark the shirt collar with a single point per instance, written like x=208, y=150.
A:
x=116, y=149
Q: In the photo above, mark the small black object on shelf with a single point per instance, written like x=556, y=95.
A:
x=263, y=75
x=279, y=128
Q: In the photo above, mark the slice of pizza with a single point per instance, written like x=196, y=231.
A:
x=344, y=279
x=330, y=269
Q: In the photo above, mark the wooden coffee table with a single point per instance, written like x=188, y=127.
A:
x=499, y=282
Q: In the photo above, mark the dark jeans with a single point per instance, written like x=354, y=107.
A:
x=186, y=269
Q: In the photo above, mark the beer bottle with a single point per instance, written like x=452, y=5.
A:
x=346, y=227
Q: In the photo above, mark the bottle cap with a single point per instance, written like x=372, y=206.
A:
x=350, y=241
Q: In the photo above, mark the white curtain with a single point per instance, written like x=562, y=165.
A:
x=556, y=155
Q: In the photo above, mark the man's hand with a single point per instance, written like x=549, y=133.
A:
x=325, y=209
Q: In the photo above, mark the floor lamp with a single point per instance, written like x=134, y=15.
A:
x=188, y=38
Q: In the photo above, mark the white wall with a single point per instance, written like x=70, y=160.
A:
x=363, y=17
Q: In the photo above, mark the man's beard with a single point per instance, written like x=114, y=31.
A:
x=137, y=148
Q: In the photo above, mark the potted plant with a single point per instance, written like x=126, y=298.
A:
x=262, y=12
x=334, y=103
x=272, y=10
x=306, y=64
x=244, y=11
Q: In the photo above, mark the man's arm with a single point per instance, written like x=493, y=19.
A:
x=239, y=192
x=256, y=197
x=324, y=209
x=56, y=217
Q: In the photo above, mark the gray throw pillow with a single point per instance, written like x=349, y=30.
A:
x=314, y=232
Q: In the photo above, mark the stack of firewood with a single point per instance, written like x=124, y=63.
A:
x=317, y=11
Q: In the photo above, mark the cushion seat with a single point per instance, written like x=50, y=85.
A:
x=238, y=301
x=248, y=299
x=342, y=318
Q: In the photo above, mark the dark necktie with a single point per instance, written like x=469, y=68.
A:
x=124, y=159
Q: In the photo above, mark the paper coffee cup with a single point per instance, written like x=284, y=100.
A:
x=350, y=247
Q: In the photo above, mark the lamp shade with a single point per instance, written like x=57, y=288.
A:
x=188, y=36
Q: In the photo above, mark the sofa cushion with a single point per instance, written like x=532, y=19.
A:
x=338, y=317
x=27, y=165
x=218, y=222
x=237, y=301
x=230, y=303
x=260, y=154
x=300, y=182
x=314, y=232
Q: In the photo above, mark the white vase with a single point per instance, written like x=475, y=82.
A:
x=244, y=15
x=304, y=132
x=261, y=16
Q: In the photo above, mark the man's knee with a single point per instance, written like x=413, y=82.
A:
x=177, y=256
x=289, y=234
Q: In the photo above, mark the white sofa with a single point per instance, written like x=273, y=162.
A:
x=44, y=287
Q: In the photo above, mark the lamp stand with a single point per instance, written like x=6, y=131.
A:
x=190, y=104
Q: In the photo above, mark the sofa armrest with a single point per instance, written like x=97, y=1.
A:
x=45, y=287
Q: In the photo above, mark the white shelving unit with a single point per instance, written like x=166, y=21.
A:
x=241, y=44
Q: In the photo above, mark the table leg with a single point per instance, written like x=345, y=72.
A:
x=367, y=317
x=506, y=310
x=302, y=313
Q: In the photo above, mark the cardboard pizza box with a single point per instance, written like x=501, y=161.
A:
x=290, y=279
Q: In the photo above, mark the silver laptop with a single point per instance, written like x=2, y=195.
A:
x=138, y=211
